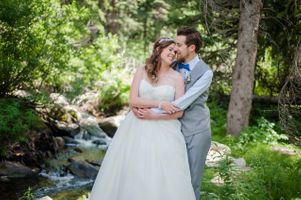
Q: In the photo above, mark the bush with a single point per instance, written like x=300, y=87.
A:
x=272, y=176
x=263, y=132
x=36, y=41
x=15, y=119
x=279, y=174
x=28, y=195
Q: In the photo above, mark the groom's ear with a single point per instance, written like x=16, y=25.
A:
x=192, y=47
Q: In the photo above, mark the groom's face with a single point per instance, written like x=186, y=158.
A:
x=181, y=48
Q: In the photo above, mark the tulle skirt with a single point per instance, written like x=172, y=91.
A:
x=146, y=160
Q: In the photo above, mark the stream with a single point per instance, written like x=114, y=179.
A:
x=66, y=176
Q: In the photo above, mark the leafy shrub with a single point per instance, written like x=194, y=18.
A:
x=28, y=195
x=272, y=176
x=15, y=119
x=263, y=132
x=36, y=41
x=279, y=174
x=218, y=114
x=114, y=93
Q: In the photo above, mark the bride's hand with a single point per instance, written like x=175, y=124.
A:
x=135, y=110
x=168, y=107
x=146, y=114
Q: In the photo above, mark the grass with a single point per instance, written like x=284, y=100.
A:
x=273, y=175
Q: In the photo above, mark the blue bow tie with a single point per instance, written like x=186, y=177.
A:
x=184, y=66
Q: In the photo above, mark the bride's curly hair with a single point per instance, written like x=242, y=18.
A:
x=153, y=63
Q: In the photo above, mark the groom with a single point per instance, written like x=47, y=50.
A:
x=196, y=118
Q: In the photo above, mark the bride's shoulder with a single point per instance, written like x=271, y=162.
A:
x=176, y=75
x=140, y=71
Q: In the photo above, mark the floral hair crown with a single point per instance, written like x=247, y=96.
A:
x=166, y=40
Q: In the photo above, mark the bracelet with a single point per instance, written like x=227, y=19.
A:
x=160, y=105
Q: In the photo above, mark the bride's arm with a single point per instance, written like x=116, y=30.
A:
x=134, y=99
x=149, y=114
x=138, y=102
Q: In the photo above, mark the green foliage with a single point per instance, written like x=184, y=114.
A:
x=100, y=66
x=28, y=195
x=15, y=119
x=114, y=92
x=272, y=176
x=74, y=194
x=226, y=172
x=266, y=70
x=91, y=64
x=263, y=132
x=218, y=115
x=35, y=40
x=280, y=174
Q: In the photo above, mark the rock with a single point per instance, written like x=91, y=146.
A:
x=83, y=169
x=99, y=142
x=45, y=198
x=4, y=179
x=70, y=140
x=77, y=149
x=241, y=164
x=67, y=127
x=88, y=101
x=284, y=150
x=21, y=93
x=110, y=124
x=59, y=143
x=15, y=170
x=217, y=152
x=39, y=146
x=109, y=128
x=95, y=162
x=89, y=123
x=217, y=180
x=59, y=99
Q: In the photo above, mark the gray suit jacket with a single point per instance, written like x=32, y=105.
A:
x=196, y=118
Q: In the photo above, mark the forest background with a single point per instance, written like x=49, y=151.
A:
x=75, y=47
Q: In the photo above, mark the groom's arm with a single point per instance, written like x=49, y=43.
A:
x=198, y=88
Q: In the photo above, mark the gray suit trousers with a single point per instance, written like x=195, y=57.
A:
x=197, y=147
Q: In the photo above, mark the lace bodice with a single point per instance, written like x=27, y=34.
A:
x=159, y=92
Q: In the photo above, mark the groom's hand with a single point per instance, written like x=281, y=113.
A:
x=178, y=109
x=169, y=107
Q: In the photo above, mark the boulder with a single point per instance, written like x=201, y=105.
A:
x=217, y=152
x=284, y=150
x=45, y=198
x=110, y=124
x=240, y=164
x=83, y=169
x=15, y=170
x=59, y=143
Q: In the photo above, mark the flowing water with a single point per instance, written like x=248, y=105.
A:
x=55, y=181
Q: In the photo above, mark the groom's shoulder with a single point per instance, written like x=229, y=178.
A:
x=204, y=65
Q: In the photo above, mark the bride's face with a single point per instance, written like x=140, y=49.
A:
x=168, y=54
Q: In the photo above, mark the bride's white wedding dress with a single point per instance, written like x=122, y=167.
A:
x=147, y=159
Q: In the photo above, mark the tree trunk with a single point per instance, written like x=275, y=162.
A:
x=243, y=73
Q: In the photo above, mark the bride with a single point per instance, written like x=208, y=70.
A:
x=147, y=159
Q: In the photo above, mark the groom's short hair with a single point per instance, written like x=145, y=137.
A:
x=192, y=37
